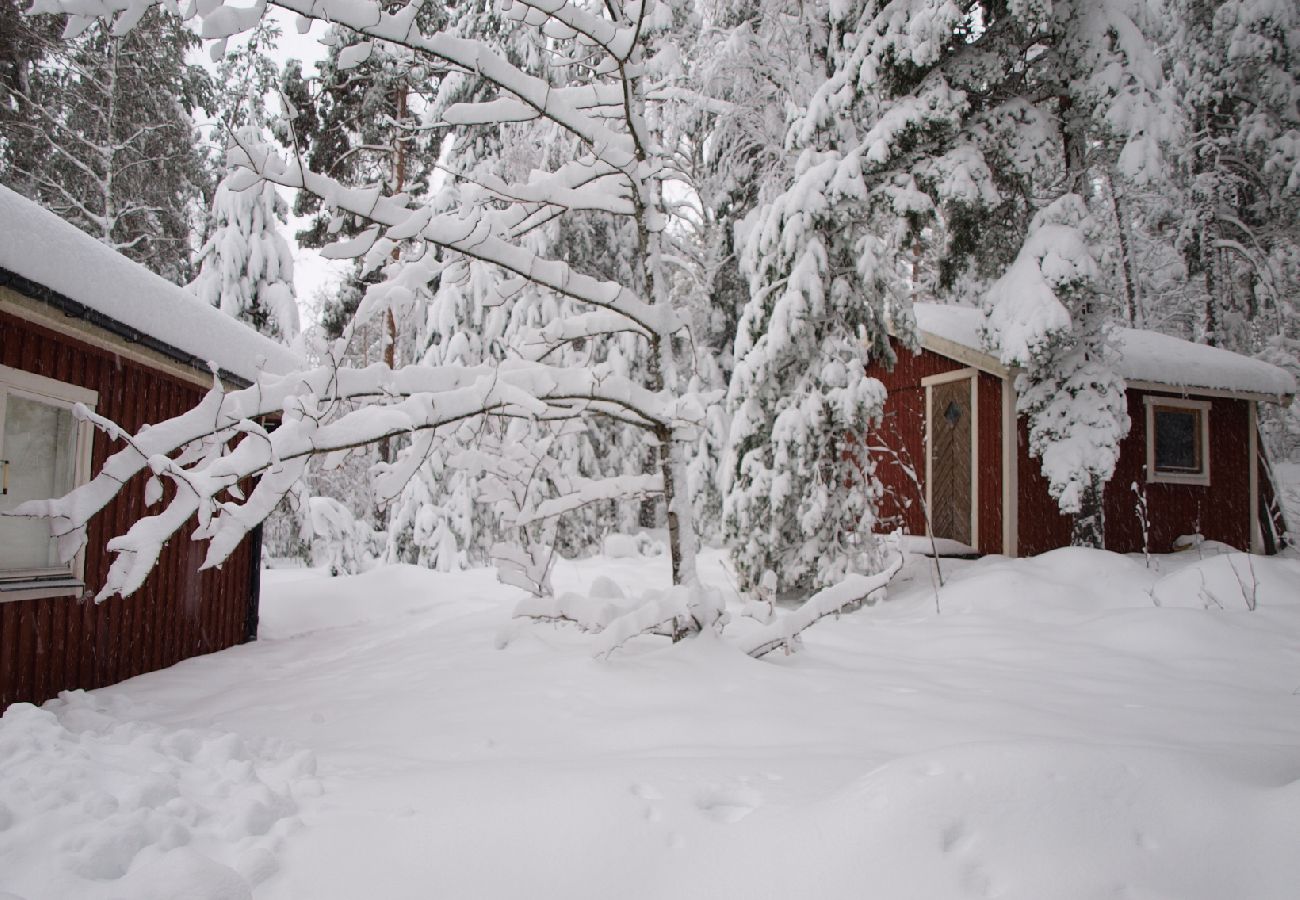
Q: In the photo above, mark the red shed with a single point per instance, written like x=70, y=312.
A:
x=951, y=442
x=80, y=323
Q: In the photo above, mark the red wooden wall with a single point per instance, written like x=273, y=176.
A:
x=902, y=432
x=1220, y=511
x=62, y=643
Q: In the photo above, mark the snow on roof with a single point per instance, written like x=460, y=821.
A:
x=38, y=246
x=1143, y=355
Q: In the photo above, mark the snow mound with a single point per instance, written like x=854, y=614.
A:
x=1230, y=581
x=1044, y=819
x=592, y=612
x=97, y=805
x=1075, y=582
x=1063, y=583
x=630, y=546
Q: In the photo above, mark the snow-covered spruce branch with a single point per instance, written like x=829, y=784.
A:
x=854, y=589
x=207, y=451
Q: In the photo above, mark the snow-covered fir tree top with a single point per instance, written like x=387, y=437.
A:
x=1140, y=355
x=37, y=245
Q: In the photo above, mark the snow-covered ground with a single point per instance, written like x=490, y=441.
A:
x=1073, y=726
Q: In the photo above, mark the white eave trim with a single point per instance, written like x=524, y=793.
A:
x=1180, y=390
x=985, y=362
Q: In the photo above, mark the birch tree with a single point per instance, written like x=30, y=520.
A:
x=598, y=86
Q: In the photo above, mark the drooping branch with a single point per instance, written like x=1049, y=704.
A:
x=206, y=452
x=587, y=490
x=367, y=18
x=475, y=236
x=853, y=590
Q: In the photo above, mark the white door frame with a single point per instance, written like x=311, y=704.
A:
x=928, y=383
x=1010, y=469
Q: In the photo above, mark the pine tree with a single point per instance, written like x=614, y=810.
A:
x=931, y=143
x=100, y=131
x=1237, y=196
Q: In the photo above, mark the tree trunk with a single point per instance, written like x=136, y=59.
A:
x=1089, y=527
x=1126, y=256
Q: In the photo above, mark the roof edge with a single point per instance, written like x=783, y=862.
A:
x=1187, y=390
x=77, y=310
x=987, y=362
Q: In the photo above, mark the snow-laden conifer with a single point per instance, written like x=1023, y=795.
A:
x=1046, y=315
x=246, y=264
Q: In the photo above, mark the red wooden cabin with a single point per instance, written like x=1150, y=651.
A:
x=951, y=442
x=82, y=324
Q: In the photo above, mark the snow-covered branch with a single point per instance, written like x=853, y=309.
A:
x=853, y=590
x=476, y=235
x=586, y=490
x=206, y=452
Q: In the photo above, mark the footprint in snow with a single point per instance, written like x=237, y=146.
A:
x=954, y=837
x=646, y=791
x=728, y=805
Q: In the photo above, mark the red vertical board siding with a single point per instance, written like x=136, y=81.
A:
x=902, y=431
x=42, y=649
x=1220, y=510
x=1040, y=524
x=899, y=440
x=8, y=651
x=989, y=440
x=63, y=643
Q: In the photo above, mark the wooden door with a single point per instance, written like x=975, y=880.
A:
x=950, y=459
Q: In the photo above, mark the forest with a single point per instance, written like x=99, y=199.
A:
x=624, y=266
x=657, y=332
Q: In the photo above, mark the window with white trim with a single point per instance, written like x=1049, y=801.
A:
x=44, y=453
x=1178, y=440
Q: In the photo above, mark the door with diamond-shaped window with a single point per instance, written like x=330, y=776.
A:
x=950, y=460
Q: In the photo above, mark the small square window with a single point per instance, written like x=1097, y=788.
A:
x=1178, y=440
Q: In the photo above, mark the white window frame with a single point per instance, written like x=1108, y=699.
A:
x=68, y=579
x=1201, y=478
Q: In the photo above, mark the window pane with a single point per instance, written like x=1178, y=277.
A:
x=40, y=443
x=1178, y=440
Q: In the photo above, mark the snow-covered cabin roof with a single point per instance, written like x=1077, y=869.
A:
x=51, y=260
x=1144, y=356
